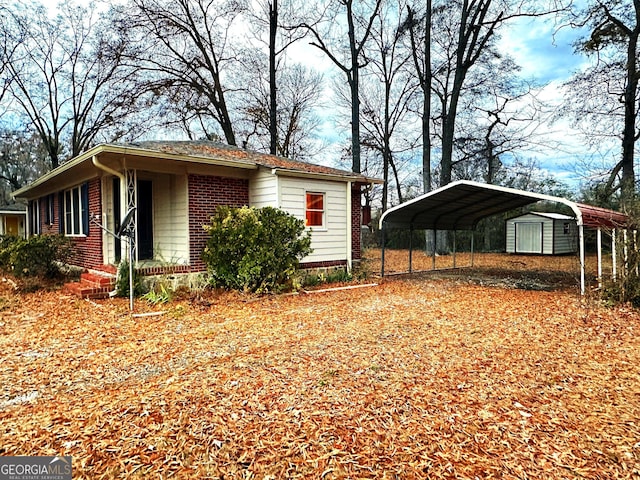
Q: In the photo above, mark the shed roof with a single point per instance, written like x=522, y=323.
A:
x=461, y=205
x=550, y=215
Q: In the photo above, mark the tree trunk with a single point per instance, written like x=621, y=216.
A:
x=273, y=28
x=426, y=104
x=354, y=85
x=628, y=187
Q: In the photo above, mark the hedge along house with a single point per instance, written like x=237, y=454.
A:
x=542, y=233
x=175, y=188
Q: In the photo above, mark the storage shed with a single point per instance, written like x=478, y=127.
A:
x=542, y=233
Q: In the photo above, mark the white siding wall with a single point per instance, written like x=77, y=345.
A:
x=170, y=218
x=328, y=243
x=108, y=242
x=547, y=235
x=565, y=243
x=263, y=191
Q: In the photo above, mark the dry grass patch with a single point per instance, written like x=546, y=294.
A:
x=410, y=379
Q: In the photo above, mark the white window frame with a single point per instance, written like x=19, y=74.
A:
x=34, y=218
x=69, y=215
x=323, y=226
x=49, y=213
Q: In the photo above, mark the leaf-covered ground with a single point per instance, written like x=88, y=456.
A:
x=413, y=378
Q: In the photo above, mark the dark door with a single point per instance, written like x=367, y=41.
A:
x=145, y=220
x=116, y=215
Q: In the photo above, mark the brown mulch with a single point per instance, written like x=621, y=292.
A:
x=413, y=378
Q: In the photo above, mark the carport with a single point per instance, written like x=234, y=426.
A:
x=462, y=204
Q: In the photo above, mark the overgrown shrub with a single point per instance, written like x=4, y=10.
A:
x=37, y=256
x=122, y=281
x=254, y=250
x=6, y=241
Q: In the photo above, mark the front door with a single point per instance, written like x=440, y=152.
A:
x=145, y=220
x=11, y=226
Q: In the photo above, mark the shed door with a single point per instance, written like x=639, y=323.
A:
x=529, y=237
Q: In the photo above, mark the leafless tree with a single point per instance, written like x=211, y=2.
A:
x=329, y=36
x=455, y=38
x=386, y=93
x=184, y=47
x=420, y=39
x=22, y=160
x=606, y=93
x=298, y=94
x=68, y=79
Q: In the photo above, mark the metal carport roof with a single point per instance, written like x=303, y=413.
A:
x=461, y=205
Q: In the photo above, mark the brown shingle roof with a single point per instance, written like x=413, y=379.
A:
x=226, y=152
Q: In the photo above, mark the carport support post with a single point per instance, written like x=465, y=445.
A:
x=410, y=249
x=614, y=259
x=454, y=247
x=382, y=263
x=599, y=242
x=581, y=235
x=473, y=235
x=433, y=252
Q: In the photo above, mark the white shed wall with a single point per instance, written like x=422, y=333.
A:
x=565, y=242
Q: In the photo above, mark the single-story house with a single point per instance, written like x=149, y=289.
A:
x=175, y=188
x=13, y=220
x=542, y=233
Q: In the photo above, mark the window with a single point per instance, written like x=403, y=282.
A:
x=315, y=210
x=34, y=217
x=49, y=210
x=565, y=228
x=76, y=218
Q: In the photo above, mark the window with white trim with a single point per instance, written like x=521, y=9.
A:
x=75, y=209
x=49, y=210
x=34, y=217
x=315, y=212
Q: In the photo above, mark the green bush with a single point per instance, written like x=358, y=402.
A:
x=6, y=242
x=254, y=250
x=38, y=256
x=122, y=281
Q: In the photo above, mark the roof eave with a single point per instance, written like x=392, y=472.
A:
x=323, y=176
x=137, y=151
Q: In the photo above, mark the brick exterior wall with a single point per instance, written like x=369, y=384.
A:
x=356, y=222
x=205, y=194
x=327, y=264
x=52, y=228
x=88, y=250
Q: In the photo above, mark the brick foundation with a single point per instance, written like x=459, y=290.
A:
x=356, y=222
